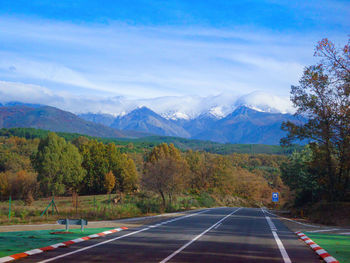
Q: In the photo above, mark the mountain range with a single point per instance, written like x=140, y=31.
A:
x=243, y=125
x=50, y=118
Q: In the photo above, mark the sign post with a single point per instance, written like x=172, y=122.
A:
x=67, y=222
x=275, y=198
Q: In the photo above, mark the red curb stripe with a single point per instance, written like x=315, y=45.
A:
x=124, y=228
x=85, y=238
x=47, y=248
x=70, y=242
x=19, y=255
x=325, y=256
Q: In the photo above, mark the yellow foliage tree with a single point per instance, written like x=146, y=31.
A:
x=109, y=181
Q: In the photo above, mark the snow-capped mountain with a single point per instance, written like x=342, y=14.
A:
x=191, y=107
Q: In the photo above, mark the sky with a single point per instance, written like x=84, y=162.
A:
x=80, y=54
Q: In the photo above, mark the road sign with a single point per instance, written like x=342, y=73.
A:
x=275, y=197
x=67, y=222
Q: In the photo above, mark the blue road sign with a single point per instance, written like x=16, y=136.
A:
x=275, y=197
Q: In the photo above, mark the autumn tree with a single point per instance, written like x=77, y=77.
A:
x=323, y=98
x=199, y=176
x=165, y=172
x=109, y=182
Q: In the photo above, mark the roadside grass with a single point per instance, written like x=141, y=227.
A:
x=91, y=207
x=99, y=207
x=102, y=207
x=336, y=245
x=21, y=241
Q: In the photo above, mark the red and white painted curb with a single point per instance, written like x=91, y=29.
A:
x=63, y=244
x=319, y=250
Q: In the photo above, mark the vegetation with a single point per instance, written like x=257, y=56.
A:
x=147, y=143
x=162, y=178
x=323, y=96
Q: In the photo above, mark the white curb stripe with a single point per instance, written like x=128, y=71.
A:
x=58, y=245
x=314, y=246
x=34, y=251
x=6, y=259
x=321, y=251
x=78, y=240
x=330, y=259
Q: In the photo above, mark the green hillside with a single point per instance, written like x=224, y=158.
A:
x=142, y=144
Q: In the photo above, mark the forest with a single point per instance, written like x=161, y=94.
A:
x=53, y=166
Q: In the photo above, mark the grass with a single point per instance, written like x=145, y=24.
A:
x=98, y=207
x=89, y=207
x=336, y=245
x=21, y=241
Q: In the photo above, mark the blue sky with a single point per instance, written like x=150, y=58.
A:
x=58, y=51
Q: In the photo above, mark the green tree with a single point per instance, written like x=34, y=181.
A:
x=96, y=164
x=59, y=165
x=323, y=97
x=297, y=174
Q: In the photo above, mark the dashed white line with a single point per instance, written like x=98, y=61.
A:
x=273, y=228
x=194, y=239
x=283, y=251
x=120, y=237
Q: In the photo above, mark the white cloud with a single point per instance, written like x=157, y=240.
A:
x=171, y=107
x=148, y=62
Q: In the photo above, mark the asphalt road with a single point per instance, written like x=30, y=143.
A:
x=214, y=235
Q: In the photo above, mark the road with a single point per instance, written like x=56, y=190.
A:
x=213, y=235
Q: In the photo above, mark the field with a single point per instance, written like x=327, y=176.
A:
x=337, y=245
x=17, y=242
x=100, y=207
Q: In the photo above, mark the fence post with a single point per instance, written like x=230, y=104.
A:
x=53, y=211
x=10, y=208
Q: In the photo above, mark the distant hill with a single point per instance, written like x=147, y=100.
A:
x=146, y=120
x=246, y=126
x=53, y=119
x=243, y=126
x=101, y=118
x=141, y=145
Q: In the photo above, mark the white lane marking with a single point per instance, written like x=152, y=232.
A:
x=194, y=239
x=273, y=228
x=323, y=230
x=218, y=226
x=291, y=220
x=271, y=224
x=116, y=238
x=283, y=251
x=346, y=233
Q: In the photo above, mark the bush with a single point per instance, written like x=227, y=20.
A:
x=205, y=200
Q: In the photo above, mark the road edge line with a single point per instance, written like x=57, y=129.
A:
x=316, y=248
x=62, y=244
